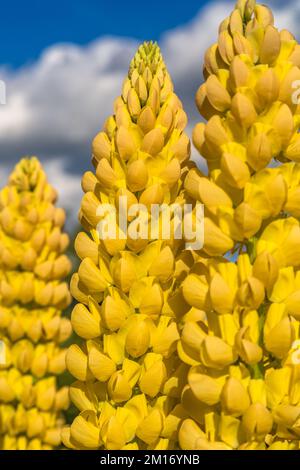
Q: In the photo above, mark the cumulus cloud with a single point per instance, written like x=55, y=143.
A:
x=56, y=105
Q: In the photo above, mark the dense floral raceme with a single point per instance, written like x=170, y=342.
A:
x=129, y=376
x=241, y=339
x=32, y=297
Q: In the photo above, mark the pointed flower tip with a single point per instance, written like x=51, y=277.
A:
x=147, y=55
x=24, y=176
x=246, y=7
x=149, y=50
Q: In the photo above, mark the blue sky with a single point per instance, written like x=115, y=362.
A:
x=29, y=27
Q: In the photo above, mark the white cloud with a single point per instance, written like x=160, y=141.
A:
x=16, y=117
x=64, y=94
x=56, y=105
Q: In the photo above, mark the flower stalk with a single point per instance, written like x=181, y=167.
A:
x=241, y=335
x=33, y=295
x=129, y=376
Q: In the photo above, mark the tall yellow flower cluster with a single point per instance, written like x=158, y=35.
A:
x=241, y=337
x=129, y=377
x=32, y=297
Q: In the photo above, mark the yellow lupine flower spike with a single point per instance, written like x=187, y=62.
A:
x=248, y=95
x=249, y=99
x=124, y=286
x=240, y=336
x=32, y=296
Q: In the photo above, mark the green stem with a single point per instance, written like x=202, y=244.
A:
x=257, y=371
x=251, y=248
